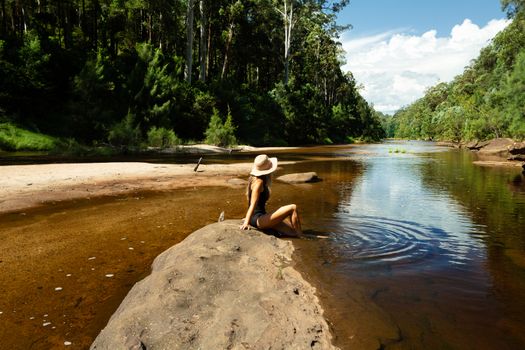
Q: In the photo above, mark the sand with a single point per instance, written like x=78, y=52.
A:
x=26, y=186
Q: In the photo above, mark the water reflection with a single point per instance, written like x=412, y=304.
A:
x=430, y=239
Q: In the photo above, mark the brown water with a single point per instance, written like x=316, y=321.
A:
x=426, y=250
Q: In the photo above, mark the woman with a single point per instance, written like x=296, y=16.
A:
x=285, y=219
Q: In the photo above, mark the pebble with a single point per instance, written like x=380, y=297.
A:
x=45, y=324
x=58, y=289
x=67, y=343
x=123, y=238
x=32, y=317
x=68, y=275
x=92, y=269
x=92, y=258
x=46, y=315
x=1, y=312
x=130, y=248
x=110, y=275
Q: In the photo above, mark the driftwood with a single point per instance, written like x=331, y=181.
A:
x=198, y=163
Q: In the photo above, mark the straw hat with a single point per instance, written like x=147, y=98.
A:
x=262, y=165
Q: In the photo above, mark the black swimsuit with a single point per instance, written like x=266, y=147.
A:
x=260, y=209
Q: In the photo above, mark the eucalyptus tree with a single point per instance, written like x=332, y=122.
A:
x=189, y=40
x=203, y=44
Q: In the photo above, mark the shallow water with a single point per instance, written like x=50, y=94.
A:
x=425, y=250
x=433, y=245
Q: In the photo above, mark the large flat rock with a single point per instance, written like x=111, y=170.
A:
x=221, y=288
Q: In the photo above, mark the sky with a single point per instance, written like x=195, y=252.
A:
x=399, y=48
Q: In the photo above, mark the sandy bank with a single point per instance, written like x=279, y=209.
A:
x=24, y=186
x=220, y=288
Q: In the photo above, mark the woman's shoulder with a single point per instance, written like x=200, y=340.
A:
x=257, y=183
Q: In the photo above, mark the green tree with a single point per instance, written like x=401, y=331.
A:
x=219, y=133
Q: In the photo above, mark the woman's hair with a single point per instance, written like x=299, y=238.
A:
x=267, y=180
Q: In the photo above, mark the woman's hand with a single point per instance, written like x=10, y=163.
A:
x=245, y=226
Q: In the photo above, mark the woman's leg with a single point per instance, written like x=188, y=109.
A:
x=285, y=229
x=271, y=220
x=296, y=222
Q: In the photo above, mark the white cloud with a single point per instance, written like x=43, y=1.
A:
x=395, y=68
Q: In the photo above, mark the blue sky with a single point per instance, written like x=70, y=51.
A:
x=398, y=48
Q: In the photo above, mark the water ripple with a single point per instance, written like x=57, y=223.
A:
x=378, y=240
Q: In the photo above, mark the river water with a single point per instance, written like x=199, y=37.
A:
x=425, y=251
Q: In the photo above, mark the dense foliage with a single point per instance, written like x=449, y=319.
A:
x=102, y=71
x=486, y=101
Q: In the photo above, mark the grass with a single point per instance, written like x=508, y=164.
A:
x=13, y=138
x=397, y=150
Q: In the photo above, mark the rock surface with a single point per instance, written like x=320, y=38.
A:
x=476, y=145
x=221, y=288
x=299, y=177
x=497, y=147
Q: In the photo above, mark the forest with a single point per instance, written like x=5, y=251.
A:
x=129, y=73
x=486, y=101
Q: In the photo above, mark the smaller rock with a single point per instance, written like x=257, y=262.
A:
x=299, y=178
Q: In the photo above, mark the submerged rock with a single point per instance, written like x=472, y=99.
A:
x=299, y=178
x=237, y=182
x=220, y=288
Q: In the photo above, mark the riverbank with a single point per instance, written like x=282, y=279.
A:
x=25, y=186
x=501, y=152
x=220, y=288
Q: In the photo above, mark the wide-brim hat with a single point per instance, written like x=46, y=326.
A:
x=263, y=165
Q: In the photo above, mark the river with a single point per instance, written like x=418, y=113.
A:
x=425, y=250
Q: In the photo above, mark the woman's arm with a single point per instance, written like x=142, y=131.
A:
x=256, y=191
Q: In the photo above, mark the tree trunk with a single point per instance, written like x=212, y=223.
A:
x=95, y=25
x=150, y=28
x=208, y=51
x=82, y=18
x=160, y=30
x=203, y=43
x=189, y=41
x=288, y=26
x=4, y=20
x=227, y=51
x=24, y=23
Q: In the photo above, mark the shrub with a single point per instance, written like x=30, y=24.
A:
x=161, y=137
x=125, y=134
x=220, y=134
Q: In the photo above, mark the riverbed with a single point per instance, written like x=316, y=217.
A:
x=425, y=249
